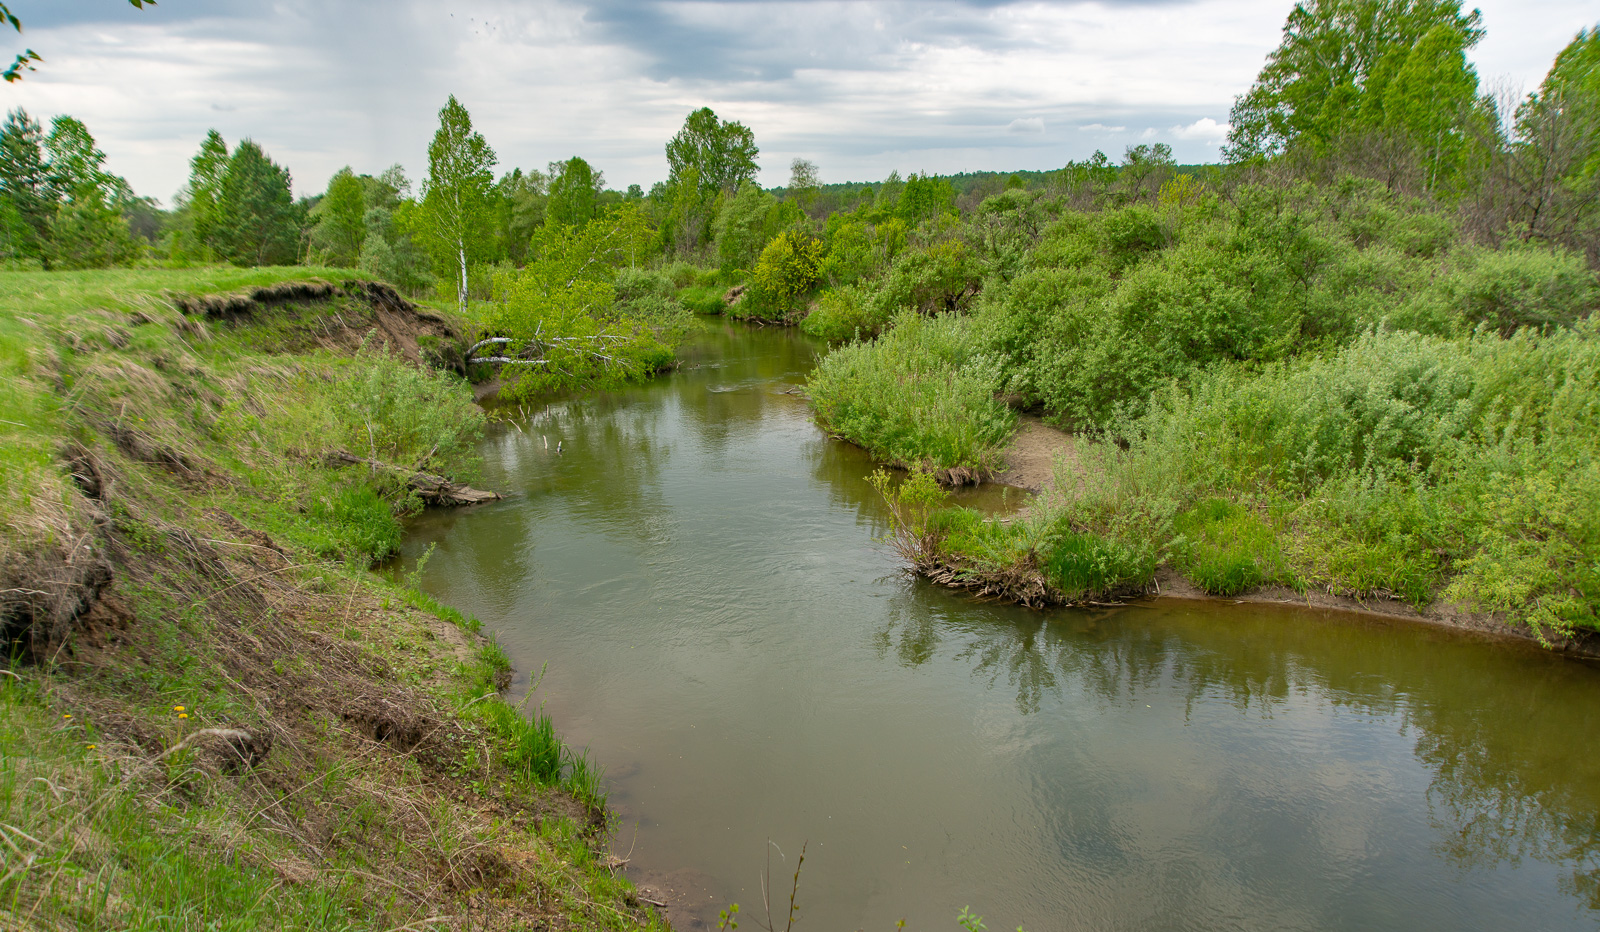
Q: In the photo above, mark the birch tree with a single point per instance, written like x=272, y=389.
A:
x=455, y=215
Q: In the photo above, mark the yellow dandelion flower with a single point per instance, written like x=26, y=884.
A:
x=68, y=715
x=183, y=715
x=177, y=708
x=93, y=746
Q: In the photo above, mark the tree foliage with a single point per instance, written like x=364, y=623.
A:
x=58, y=204
x=1349, y=65
x=454, y=219
x=574, y=192
x=258, y=223
x=722, y=155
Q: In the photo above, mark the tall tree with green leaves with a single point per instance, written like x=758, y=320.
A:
x=708, y=159
x=198, y=201
x=1431, y=99
x=341, y=219
x=574, y=192
x=25, y=187
x=804, y=186
x=456, y=209
x=1330, y=72
x=259, y=223
x=89, y=228
x=1553, y=160
x=721, y=154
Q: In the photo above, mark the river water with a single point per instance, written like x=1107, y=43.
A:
x=697, y=573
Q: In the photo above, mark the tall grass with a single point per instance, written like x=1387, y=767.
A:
x=1402, y=464
x=918, y=396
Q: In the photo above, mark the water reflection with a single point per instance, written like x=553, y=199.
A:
x=1493, y=723
x=698, y=567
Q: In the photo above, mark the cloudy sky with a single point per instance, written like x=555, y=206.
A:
x=861, y=87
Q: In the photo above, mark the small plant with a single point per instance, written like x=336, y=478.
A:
x=969, y=920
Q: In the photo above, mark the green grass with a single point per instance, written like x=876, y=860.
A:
x=48, y=317
x=1226, y=549
x=917, y=397
x=223, y=425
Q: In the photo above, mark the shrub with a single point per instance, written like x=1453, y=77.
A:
x=917, y=396
x=845, y=313
x=786, y=271
x=1225, y=549
x=703, y=300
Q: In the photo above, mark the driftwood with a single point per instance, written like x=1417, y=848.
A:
x=435, y=490
x=538, y=345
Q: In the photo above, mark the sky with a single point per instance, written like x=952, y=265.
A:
x=860, y=87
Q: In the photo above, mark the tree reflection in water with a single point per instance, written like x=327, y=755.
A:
x=1502, y=728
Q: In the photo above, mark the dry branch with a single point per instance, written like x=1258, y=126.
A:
x=435, y=490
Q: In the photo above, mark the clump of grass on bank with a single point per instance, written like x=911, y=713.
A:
x=1036, y=559
x=919, y=396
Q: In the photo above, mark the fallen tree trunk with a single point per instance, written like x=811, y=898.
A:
x=435, y=490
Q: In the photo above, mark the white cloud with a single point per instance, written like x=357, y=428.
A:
x=1204, y=128
x=858, y=86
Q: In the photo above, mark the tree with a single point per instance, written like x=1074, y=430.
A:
x=25, y=60
x=341, y=219
x=560, y=324
x=1430, y=100
x=456, y=199
x=198, y=200
x=1552, y=165
x=722, y=155
x=25, y=186
x=88, y=228
x=574, y=192
x=803, y=184
x=1333, y=65
x=257, y=222
x=925, y=197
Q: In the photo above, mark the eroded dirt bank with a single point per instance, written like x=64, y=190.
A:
x=214, y=709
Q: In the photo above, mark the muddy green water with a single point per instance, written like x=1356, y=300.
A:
x=698, y=570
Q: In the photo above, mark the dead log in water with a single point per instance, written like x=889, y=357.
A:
x=435, y=490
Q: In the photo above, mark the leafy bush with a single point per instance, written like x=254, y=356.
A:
x=405, y=415
x=846, y=313
x=703, y=300
x=1225, y=549
x=918, y=395
x=786, y=271
x=1521, y=286
x=360, y=521
x=943, y=277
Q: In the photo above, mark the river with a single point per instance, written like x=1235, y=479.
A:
x=697, y=573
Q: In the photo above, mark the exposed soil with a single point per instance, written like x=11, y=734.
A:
x=1032, y=454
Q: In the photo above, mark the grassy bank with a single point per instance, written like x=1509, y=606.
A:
x=215, y=715
x=1327, y=388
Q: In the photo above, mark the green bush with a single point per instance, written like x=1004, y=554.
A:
x=917, y=396
x=785, y=273
x=1521, y=286
x=703, y=300
x=846, y=313
x=1225, y=549
x=360, y=521
x=1090, y=567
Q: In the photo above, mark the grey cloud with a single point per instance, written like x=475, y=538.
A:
x=769, y=40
